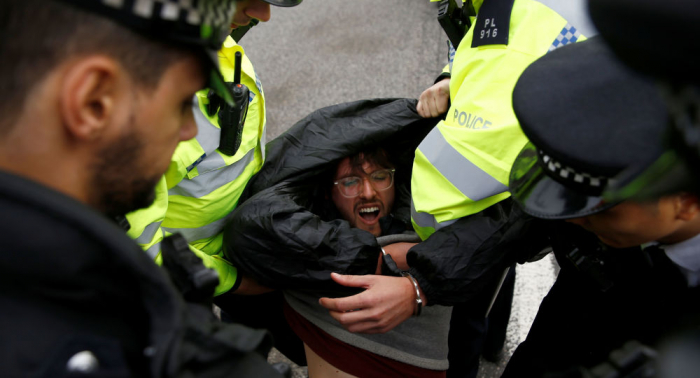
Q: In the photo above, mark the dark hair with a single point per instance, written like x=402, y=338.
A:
x=375, y=155
x=37, y=35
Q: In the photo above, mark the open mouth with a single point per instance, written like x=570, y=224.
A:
x=369, y=214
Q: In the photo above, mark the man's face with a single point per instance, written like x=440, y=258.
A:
x=631, y=224
x=364, y=210
x=129, y=165
x=247, y=10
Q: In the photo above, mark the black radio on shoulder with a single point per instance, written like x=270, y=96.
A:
x=455, y=19
x=231, y=117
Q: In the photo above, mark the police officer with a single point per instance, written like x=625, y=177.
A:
x=95, y=97
x=461, y=167
x=664, y=36
x=589, y=118
x=460, y=202
x=202, y=185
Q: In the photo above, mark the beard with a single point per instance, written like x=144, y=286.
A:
x=118, y=186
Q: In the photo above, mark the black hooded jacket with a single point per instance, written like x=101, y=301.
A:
x=285, y=234
x=278, y=234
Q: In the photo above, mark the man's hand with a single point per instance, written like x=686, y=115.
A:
x=386, y=303
x=433, y=101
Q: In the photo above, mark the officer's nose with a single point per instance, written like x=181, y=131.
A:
x=368, y=191
x=258, y=10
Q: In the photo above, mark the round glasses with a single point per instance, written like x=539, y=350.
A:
x=351, y=186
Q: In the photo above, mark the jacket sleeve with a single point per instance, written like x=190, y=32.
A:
x=466, y=258
x=445, y=74
x=146, y=230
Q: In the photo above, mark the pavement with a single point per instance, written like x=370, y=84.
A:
x=325, y=52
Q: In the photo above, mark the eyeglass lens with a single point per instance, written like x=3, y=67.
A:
x=380, y=180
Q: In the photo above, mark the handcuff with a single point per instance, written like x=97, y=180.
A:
x=389, y=263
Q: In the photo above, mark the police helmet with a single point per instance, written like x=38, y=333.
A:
x=588, y=118
x=659, y=39
x=202, y=24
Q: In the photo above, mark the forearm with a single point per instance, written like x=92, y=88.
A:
x=398, y=253
x=463, y=260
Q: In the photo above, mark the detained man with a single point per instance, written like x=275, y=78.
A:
x=324, y=203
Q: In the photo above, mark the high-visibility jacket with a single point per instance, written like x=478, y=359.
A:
x=201, y=186
x=462, y=166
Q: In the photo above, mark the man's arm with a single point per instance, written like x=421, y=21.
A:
x=386, y=302
x=452, y=266
x=465, y=259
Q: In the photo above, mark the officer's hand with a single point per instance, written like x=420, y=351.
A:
x=387, y=302
x=434, y=100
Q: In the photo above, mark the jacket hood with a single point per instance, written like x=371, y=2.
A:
x=281, y=235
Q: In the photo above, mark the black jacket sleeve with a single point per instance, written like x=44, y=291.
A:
x=462, y=260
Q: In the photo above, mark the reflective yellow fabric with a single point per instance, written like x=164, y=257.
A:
x=202, y=186
x=463, y=166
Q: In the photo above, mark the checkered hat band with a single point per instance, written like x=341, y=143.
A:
x=214, y=13
x=571, y=177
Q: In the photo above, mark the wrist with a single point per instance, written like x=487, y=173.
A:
x=418, y=303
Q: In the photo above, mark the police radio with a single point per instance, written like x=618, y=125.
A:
x=232, y=118
x=455, y=19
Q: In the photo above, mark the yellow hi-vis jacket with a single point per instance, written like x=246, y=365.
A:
x=201, y=186
x=462, y=166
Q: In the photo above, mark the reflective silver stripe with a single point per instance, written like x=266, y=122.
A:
x=263, y=142
x=148, y=233
x=153, y=251
x=212, y=162
x=471, y=180
x=202, y=185
x=427, y=220
x=194, y=234
x=208, y=135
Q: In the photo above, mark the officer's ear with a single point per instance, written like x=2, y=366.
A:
x=687, y=206
x=88, y=96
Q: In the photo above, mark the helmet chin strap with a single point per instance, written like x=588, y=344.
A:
x=239, y=32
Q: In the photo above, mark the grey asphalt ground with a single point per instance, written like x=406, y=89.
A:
x=325, y=52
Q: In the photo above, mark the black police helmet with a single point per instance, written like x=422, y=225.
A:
x=284, y=3
x=588, y=118
x=201, y=24
x=659, y=39
x=656, y=37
